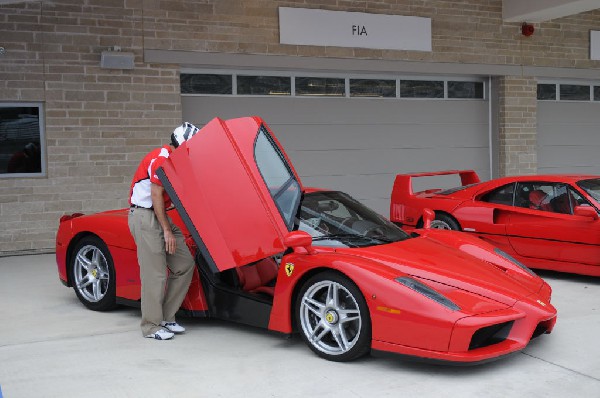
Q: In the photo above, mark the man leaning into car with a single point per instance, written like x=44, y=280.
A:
x=160, y=243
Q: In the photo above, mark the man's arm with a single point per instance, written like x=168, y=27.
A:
x=158, y=203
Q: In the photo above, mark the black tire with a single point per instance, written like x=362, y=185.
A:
x=444, y=221
x=93, y=274
x=332, y=308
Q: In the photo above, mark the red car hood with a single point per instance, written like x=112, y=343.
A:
x=431, y=260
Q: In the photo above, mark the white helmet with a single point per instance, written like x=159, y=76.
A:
x=183, y=133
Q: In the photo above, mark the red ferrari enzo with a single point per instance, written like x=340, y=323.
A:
x=276, y=255
x=546, y=221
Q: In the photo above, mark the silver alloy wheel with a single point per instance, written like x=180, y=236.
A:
x=330, y=317
x=439, y=224
x=91, y=274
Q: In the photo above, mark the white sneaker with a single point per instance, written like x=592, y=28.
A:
x=160, y=334
x=173, y=327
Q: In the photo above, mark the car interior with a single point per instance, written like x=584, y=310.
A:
x=544, y=196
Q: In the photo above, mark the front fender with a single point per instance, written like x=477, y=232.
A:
x=296, y=268
x=398, y=314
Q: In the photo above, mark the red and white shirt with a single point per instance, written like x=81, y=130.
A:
x=145, y=176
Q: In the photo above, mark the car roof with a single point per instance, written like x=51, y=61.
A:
x=569, y=178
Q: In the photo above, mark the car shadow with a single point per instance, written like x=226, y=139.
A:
x=388, y=362
x=564, y=276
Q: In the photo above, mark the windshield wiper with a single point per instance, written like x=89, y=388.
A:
x=339, y=236
x=381, y=239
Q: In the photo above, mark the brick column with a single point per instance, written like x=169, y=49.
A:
x=517, y=125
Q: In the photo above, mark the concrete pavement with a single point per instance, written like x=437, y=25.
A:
x=52, y=346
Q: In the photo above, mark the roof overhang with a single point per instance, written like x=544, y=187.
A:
x=544, y=10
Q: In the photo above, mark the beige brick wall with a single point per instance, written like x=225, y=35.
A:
x=517, y=119
x=99, y=122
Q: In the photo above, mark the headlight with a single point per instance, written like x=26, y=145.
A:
x=427, y=292
x=513, y=260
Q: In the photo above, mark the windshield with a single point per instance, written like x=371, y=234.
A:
x=592, y=187
x=336, y=219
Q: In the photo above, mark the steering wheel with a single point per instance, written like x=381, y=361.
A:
x=375, y=230
x=347, y=222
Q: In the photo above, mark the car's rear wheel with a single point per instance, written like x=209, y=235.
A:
x=93, y=274
x=443, y=221
x=333, y=317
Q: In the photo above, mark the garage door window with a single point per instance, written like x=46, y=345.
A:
x=574, y=92
x=320, y=86
x=21, y=140
x=301, y=85
x=206, y=84
x=421, y=89
x=567, y=91
x=546, y=92
x=264, y=85
x=462, y=89
x=372, y=88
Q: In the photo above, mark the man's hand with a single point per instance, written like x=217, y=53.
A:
x=158, y=203
x=170, y=242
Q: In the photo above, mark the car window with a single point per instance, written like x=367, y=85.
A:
x=502, y=195
x=544, y=196
x=278, y=176
x=577, y=199
x=591, y=187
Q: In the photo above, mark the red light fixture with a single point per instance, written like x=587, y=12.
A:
x=527, y=29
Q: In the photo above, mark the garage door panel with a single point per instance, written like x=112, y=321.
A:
x=376, y=189
x=568, y=137
x=400, y=136
x=570, y=169
x=563, y=112
x=370, y=161
x=570, y=155
x=290, y=110
x=567, y=134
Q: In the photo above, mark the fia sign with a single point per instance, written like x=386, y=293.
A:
x=314, y=27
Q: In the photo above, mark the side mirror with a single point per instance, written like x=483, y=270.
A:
x=428, y=217
x=586, y=211
x=299, y=239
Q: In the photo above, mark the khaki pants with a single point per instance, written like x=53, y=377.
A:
x=162, y=295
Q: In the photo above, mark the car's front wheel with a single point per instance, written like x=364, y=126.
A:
x=93, y=274
x=333, y=317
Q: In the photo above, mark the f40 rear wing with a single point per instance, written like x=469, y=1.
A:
x=403, y=182
x=402, y=206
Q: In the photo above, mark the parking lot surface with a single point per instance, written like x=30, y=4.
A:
x=52, y=346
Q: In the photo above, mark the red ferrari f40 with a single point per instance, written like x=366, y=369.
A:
x=546, y=221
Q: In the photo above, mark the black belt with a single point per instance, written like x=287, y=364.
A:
x=141, y=207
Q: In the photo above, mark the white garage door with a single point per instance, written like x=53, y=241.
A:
x=358, y=145
x=568, y=137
